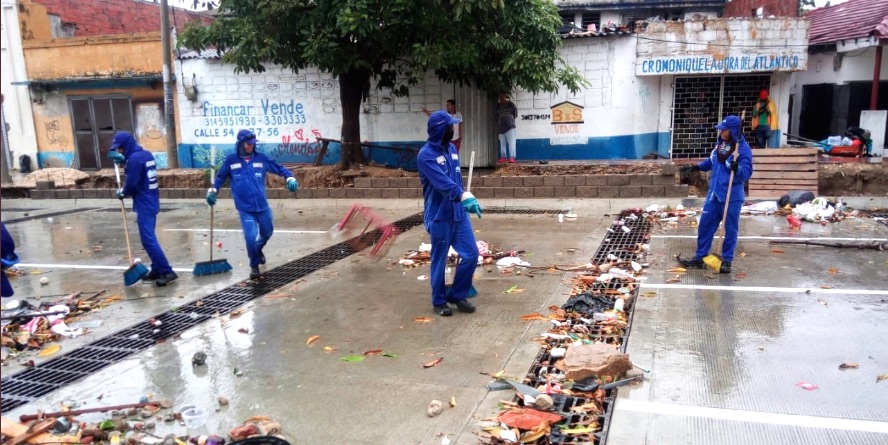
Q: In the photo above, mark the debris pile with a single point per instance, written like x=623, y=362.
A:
x=487, y=254
x=28, y=330
x=565, y=395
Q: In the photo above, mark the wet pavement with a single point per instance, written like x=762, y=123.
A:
x=726, y=352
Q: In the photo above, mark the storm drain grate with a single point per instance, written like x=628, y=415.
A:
x=624, y=244
x=54, y=374
x=508, y=211
x=48, y=215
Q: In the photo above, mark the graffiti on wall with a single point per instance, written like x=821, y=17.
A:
x=52, y=134
x=299, y=144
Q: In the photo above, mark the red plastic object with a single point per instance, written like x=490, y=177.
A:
x=794, y=222
x=349, y=223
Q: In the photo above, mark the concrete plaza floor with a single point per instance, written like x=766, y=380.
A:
x=726, y=352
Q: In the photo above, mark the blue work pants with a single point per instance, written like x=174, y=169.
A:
x=713, y=210
x=258, y=227
x=147, y=223
x=461, y=236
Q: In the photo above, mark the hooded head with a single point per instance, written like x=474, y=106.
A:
x=245, y=137
x=764, y=95
x=440, y=128
x=125, y=142
x=733, y=124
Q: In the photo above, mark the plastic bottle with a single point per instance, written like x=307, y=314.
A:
x=618, y=305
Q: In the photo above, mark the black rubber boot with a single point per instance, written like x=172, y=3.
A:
x=261, y=257
x=443, y=310
x=254, y=273
x=725, y=267
x=151, y=276
x=464, y=306
x=166, y=278
x=694, y=263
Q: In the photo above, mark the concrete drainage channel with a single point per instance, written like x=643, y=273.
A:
x=36, y=382
x=619, y=245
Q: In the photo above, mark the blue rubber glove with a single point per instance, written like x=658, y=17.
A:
x=117, y=157
x=292, y=185
x=211, y=196
x=471, y=204
x=733, y=166
x=120, y=194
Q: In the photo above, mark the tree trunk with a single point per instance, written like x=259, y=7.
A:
x=351, y=86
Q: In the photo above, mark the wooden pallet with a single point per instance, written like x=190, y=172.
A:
x=777, y=171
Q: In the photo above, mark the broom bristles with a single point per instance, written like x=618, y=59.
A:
x=135, y=273
x=713, y=262
x=211, y=267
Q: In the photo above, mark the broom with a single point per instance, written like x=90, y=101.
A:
x=448, y=290
x=212, y=266
x=137, y=270
x=713, y=260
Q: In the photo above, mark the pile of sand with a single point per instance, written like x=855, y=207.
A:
x=63, y=177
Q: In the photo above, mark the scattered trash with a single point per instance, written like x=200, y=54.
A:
x=806, y=386
x=434, y=362
x=199, y=359
x=422, y=277
x=312, y=339
x=435, y=407
x=223, y=401
x=849, y=365
x=44, y=281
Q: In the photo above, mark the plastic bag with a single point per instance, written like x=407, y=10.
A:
x=795, y=198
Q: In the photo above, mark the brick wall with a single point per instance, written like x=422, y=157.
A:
x=746, y=8
x=109, y=17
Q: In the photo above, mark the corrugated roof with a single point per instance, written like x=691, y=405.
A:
x=850, y=20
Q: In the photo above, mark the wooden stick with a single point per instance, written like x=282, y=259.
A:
x=77, y=412
x=875, y=245
x=471, y=167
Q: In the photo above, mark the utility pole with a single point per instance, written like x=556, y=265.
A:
x=168, y=101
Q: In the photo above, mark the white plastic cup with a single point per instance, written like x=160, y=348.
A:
x=194, y=417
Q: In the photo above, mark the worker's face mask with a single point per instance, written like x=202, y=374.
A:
x=725, y=150
x=448, y=135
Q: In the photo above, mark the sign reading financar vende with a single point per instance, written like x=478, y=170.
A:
x=720, y=46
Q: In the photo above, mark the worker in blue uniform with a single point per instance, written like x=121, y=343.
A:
x=446, y=218
x=9, y=259
x=722, y=162
x=141, y=185
x=247, y=169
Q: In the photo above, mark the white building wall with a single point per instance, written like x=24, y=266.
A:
x=288, y=111
x=17, y=104
x=855, y=66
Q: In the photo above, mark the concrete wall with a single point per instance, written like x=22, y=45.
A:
x=723, y=46
x=55, y=133
x=17, y=102
x=748, y=8
x=106, y=56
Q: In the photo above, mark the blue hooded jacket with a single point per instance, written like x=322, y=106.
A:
x=439, y=173
x=141, y=174
x=247, y=173
x=7, y=245
x=721, y=173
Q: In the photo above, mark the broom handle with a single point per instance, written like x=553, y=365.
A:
x=471, y=167
x=212, y=208
x=129, y=249
x=730, y=184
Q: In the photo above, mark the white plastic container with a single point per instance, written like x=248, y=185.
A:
x=194, y=417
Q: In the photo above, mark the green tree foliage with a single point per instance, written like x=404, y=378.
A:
x=493, y=45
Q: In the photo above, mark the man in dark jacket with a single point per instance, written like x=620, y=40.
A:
x=247, y=169
x=446, y=214
x=722, y=163
x=9, y=258
x=141, y=184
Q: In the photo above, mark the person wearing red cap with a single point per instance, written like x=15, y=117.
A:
x=764, y=119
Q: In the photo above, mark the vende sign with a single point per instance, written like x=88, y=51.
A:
x=722, y=46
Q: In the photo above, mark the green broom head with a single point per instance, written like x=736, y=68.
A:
x=135, y=273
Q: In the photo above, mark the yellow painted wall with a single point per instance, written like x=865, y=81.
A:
x=55, y=132
x=94, y=57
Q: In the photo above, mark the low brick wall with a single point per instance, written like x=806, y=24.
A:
x=576, y=186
